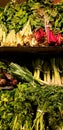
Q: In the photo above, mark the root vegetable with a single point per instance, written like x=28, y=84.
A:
x=8, y=76
x=2, y=82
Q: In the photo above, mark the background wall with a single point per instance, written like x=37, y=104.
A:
x=3, y=2
x=55, y=1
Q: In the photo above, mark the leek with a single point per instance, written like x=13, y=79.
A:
x=45, y=77
x=57, y=79
x=48, y=76
x=24, y=74
x=37, y=65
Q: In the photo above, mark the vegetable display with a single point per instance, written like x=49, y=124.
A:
x=36, y=102
x=31, y=98
x=27, y=24
x=43, y=72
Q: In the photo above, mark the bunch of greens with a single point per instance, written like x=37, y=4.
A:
x=14, y=16
x=30, y=106
x=1, y=10
x=59, y=17
x=6, y=109
x=43, y=107
x=52, y=107
x=56, y=18
x=26, y=104
x=24, y=74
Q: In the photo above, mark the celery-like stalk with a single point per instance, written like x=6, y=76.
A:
x=62, y=79
x=39, y=121
x=46, y=69
x=45, y=77
x=37, y=65
x=42, y=82
x=38, y=73
x=57, y=80
x=61, y=69
x=53, y=78
x=48, y=76
x=37, y=70
x=35, y=73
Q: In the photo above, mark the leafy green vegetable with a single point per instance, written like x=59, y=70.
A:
x=15, y=16
x=3, y=65
x=23, y=73
x=6, y=109
x=31, y=108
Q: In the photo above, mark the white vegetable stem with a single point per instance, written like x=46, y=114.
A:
x=57, y=79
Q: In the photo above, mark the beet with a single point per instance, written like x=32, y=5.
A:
x=2, y=82
x=8, y=76
x=14, y=82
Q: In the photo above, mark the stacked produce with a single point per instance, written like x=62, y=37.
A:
x=31, y=99
x=31, y=23
x=6, y=79
x=33, y=104
x=43, y=71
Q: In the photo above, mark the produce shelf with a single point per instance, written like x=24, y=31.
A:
x=28, y=49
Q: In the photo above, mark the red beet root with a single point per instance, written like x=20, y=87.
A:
x=14, y=82
x=2, y=82
x=8, y=76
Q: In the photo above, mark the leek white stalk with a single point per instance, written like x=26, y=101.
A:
x=37, y=65
x=57, y=80
x=45, y=77
x=53, y=78
x=48, y=76
x=62, y=79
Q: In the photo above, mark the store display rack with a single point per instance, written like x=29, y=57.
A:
x=27, y=49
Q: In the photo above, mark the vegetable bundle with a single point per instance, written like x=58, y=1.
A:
x=31, y=108
x=33, y=104
x=44, y=72
x=27, y=24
